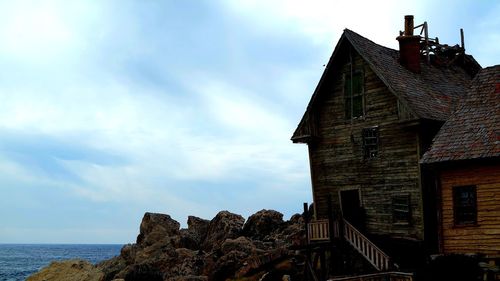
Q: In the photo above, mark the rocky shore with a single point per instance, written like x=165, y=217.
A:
x=224, y=248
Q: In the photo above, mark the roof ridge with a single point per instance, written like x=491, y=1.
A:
x=367, y=39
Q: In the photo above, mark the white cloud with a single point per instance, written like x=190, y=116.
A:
x=323, y=21
x=42, y=32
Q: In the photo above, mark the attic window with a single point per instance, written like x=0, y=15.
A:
x=401, y=211
x=353, y=94
x=370, y=142
x=465, y=205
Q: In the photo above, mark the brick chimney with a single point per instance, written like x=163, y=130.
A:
x=409, y=47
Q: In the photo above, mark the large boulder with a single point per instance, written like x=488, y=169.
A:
x=198, y=227
x=155, y=227
x=70, y=270
x=262, y=223
x=193, y=237
x=224, y=225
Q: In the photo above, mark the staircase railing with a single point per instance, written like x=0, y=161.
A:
x=365, y=247
x=381, y=276
x=318, y=230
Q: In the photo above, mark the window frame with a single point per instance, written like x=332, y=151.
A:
x=401, y=212
x=350, y=96
x=461, y=210
x=371, y=142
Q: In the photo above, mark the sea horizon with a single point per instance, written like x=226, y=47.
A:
x=60, y=243
x=18, y=260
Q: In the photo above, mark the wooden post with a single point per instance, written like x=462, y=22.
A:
x=341, y=243
x=322, y=260
x=330, y=219
x=462, y=39
x=306, y=222
x=331, y=229
x=308, y=252
x=426, y=33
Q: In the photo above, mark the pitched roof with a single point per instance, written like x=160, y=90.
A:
x=473, y=130
x=430, y=94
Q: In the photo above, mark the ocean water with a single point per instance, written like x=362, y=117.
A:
x=18, y=261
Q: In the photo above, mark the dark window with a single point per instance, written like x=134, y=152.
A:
x=353, y=95
x=401, y=211
x=465, y=205
x=370, y=142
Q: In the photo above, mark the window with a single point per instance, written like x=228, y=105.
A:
x=465, y=205
x=401, y=211
x=353, y=94
x=370, y=142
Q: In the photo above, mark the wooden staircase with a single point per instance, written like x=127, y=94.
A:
x=373, y=254
x=321, y=230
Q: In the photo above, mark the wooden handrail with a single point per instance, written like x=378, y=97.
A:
x=318, y=230
x=370, y=251
x=381, y=276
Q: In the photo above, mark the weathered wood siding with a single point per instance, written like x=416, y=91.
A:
x=337, y=161
x=485, y=236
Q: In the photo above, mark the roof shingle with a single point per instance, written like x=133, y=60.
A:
x=473, y=130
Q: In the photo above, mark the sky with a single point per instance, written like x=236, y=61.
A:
x=110, y=109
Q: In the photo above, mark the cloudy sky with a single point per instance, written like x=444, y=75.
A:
x=109, y=109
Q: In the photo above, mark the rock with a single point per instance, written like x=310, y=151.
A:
x=225, y=248
x=241, y=243
x=297, y=218
x=188, y=240
x=188, y=278
x=193, y=237
x=128, y=253
x=155, y=227
x=189, y=263
x=198, y=228
x=70, y=270
x=226, y=266
x=292, y=234
x=224, y=225
x=144, y=272
x=262, y=223
x=112, y=267
x=159, y=250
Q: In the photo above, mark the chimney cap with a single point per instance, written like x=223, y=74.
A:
x=408, y=25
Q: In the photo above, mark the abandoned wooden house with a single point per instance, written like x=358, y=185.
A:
x=371, y=118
